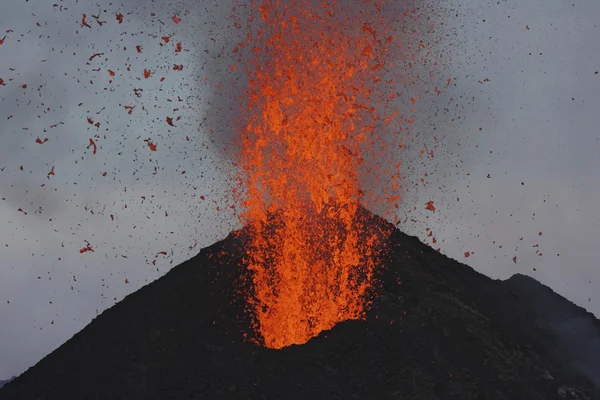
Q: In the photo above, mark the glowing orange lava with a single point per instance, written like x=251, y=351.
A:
x=315, y=76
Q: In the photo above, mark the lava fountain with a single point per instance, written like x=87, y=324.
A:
x=315, y=74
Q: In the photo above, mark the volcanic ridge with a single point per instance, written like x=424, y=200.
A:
x=437, y=330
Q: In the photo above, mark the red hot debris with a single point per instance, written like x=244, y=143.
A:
x=88, y=247
x=93, y=146
x=429, y=206
x=95, y=55
x=91, y=122
x=151, y=145
x=84, y=22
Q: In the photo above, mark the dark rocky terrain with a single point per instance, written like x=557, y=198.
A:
x=2, y=383
x=445, y=332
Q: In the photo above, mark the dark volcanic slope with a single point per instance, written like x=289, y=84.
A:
x=2, y=383
x=445, y=332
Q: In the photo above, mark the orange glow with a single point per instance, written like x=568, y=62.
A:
x=316, y=79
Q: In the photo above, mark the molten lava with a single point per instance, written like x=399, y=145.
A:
x=315, y=77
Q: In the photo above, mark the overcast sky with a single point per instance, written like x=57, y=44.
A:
x=517, y=151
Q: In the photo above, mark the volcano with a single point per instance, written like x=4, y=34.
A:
x=437, y=330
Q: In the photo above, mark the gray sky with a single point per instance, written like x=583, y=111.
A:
x=520, y=108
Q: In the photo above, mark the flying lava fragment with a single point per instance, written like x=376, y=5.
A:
x=87, y=248
x=151, y=145
x=84, y=21
x=93, y=146
x=429, y=205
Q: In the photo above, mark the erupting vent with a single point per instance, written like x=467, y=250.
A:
x=318, y=81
